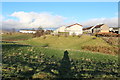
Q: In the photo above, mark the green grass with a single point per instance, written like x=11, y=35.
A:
x=96, y=44
x=16, y=36
x=58, y=53
x=25, y=58
x=62, y=42
x=67, y=42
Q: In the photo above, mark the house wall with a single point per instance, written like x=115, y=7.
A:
x=75, y=29
x=104, y=28
x=88, y=31
x=61, y=29
x=95, y=30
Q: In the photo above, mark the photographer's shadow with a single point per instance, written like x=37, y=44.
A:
x=65, y=66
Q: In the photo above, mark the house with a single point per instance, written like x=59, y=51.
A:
x=115, y=30
x=27, y=31
x=96, y=29
x=100, y=28
x=61, y=29
x=75, y=29
x=88, y=29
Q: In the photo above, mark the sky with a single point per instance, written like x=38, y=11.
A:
x=60, y=1
x=56, y=14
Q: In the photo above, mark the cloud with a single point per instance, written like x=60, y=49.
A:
x=47, y=20
x=111, y=22
x=8, y=24
x=34, y=20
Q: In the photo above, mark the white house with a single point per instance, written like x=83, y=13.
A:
x=27, y=31
x=115, y=29
x=88, y=29
x=75, y=29
x=61, y=29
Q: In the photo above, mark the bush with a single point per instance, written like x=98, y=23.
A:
x=44, y=37
x=102, y=49
x=58, y=35
x=52, y=34
x=79, y=36
x=94, y=38
x=66, y=35
x=111, y=40
x=73, y=34
x=39, y=33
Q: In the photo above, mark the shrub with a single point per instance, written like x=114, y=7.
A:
x=73, y=34
x=66, y=35
x=111, y=40
x=44, y=37
x=79, y=36
x=39, y=33
x=102, y=49
x=58, y=35
x=94, y=38
x=52, y=34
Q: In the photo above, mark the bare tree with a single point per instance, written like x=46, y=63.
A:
x=39, y=32
x=40, y=28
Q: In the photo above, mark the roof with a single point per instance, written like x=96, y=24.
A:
x=87, y=28
x=73, y=25
x=98, y=26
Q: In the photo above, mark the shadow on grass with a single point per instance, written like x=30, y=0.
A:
x=13, y=45
x=65, y=67
x=7, y=42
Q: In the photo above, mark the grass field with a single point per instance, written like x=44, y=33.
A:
x=90, y=43
x=67, y=42
x=16, y=36
x=46, y=59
